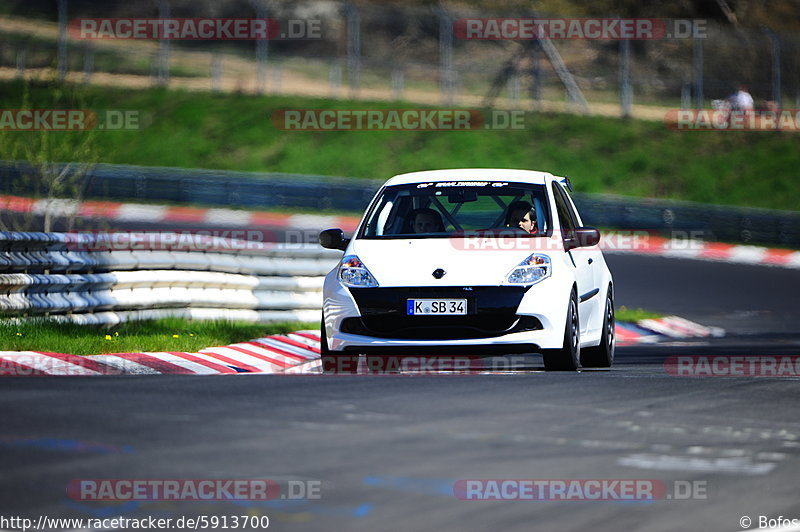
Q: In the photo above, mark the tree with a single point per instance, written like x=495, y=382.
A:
x=49, y=166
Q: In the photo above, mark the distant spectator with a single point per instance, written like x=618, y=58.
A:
x=741, y=100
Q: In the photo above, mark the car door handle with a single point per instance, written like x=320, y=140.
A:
x=591, y=261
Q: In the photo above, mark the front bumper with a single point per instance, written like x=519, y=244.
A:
x=503, y=319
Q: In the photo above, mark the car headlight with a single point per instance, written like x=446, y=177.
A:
x=530, y=271
x=353, y=273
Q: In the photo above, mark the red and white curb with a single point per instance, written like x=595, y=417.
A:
x=677, y=327
x=292, y=353
x=654, y=330
x=700, y=250
x=277, y=354
x=630, y=334
x=612, y=242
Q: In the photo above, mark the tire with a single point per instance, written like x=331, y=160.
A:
x=323, y=339
x=334, y=361
x=602, y=356
x=566, y=358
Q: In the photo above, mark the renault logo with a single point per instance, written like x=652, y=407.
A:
x=438, y=273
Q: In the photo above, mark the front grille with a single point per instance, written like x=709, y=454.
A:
x=439, y=327
x=491, y=311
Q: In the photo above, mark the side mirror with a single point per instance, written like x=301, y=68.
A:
x=333, y=239
x=584, y=237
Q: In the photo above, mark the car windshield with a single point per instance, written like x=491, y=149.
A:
x=448, y=209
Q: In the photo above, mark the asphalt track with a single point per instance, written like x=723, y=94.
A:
x=388, y=449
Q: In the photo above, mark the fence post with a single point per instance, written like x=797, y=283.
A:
x=88, y=64
x=398, y=81
x=163, y=45
x=21, y=59
x=276, y=78
x=625, y=94
x=697, y=66
x=776, y=65
x=62, y=40
x=216, y=72
x=353, y=48
x=513, y=89
x=446, y=81
x=686, y=96
x=335, y=79
x=262, y=48
x=536, y=74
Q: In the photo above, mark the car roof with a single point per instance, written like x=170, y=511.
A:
x=472, y=174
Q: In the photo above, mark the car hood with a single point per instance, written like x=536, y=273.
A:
x=412, y=262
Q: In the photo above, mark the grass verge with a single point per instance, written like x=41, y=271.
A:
x=633, y=315
x=234, y=131
x=170, y=334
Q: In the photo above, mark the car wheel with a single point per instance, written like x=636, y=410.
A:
x=566, y=358
x=334, y=361
x=602, y=356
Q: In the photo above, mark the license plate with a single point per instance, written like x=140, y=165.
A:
x=417, y=307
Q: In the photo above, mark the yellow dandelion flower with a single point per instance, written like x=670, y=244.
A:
x=108, y=337
x=175, y=336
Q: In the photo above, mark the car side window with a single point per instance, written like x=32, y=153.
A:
x=564, y=215
x=570, y=207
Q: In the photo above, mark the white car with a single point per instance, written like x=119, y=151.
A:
x=473, y=261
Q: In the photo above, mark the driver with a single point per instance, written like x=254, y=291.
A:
x=522, y=215
x=426, y=221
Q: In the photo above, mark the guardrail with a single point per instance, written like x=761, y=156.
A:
x=270, y=190
x=202, y=186
x=96, y=278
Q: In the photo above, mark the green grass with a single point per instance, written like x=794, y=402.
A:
x=609, y=155
x=171, y=334
x=634, y=314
